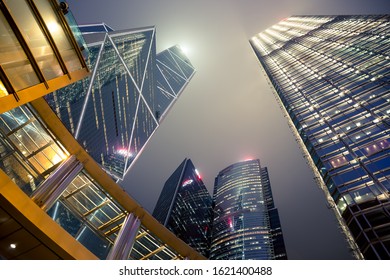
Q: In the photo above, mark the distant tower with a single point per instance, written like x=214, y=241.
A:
x=114, y=112
x=246, y=223
x=331, y=77
x=185, y=207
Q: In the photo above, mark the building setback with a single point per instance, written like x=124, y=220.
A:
x=246, y=223
x=331, y=77
x=185, y=207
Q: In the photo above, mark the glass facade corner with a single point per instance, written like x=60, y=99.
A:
x=174, y=71
x=95, y=28
x=175, y=68
x=331, y=75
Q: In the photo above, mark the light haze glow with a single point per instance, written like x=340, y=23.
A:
x=228, y=113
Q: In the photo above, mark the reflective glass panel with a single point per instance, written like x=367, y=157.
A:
x=35, y=38
x=13, y=60
x=35, y=147
x=61, y=40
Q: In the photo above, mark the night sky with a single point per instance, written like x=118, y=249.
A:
x=228, y=113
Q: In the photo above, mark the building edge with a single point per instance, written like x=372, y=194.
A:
x=309, y=161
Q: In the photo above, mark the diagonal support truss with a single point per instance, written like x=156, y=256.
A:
x=159, y=69
x=177, y=64
x=180, y=76
x=131, y=76
x=90, y=88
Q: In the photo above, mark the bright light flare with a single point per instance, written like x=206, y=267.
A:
x=185, y=49
x=197, y=173
x=3, y=90
x=230, y=222
x=53, y=27
x=124, y=152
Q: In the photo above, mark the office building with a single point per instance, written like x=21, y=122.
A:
x=114, y=112
x=56, y=202
x=331, y=77
x=185, y=207
x=246, y=224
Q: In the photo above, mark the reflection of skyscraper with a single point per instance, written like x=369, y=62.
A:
x=114, y=112
x=184, y=207
x=246, y=223
x=331, y=76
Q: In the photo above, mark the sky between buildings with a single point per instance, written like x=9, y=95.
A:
x=228, y=113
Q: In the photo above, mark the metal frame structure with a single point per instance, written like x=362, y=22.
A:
x=155, y=229
x=105, y=213
x=107, y=40
x=45, y=86
x=54, y=195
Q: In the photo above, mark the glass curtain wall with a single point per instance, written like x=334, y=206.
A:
x=331, y=74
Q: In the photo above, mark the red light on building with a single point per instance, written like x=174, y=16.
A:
x=197, y=173
x=187, y=182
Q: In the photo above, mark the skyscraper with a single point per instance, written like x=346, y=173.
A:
x=185, y=207
x=246, y=223
x=56, y=202
x=331, y=77
x=114, y=112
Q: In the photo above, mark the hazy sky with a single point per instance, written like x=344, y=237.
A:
x=228, y=112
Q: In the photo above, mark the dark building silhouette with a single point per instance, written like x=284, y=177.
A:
x=184, y=207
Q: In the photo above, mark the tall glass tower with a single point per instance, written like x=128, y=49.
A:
x=114, y=112
x=185, y=207
x=246, y=223
x=331, y=77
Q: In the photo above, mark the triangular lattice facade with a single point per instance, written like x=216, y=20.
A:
x=115, y=111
